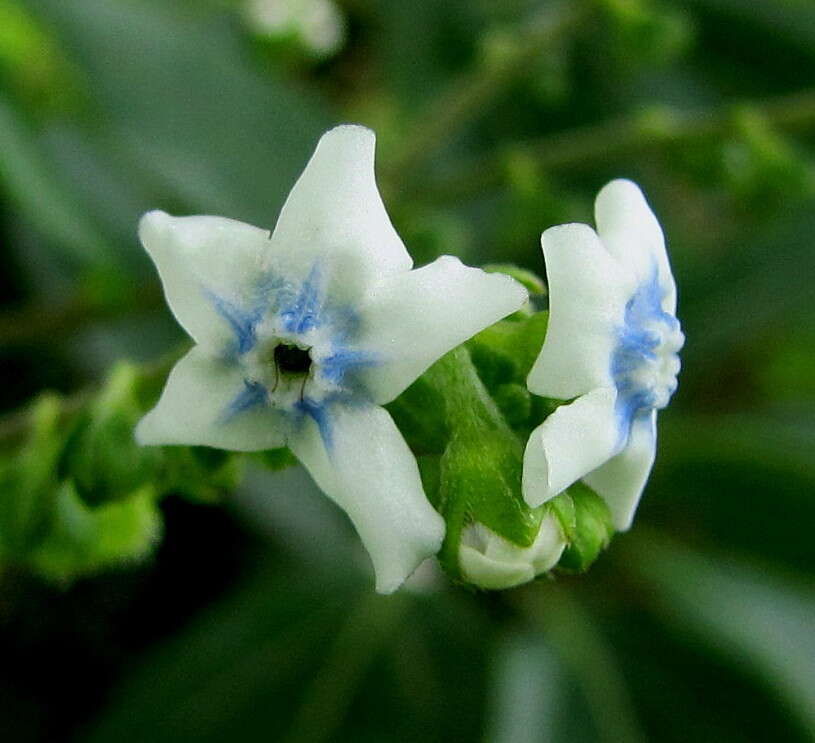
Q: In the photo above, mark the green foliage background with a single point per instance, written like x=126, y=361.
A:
x=240, y=608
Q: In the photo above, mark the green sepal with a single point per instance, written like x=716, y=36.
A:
x=198, y=473
x=419, y=413
x=276, y=459
x=504, y=354
x=84, y=539
x=479, y=471
x=586, y=522
x=531, y=281
x=430, y=472
x=101, y=455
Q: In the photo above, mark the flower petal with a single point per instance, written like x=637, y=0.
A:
x=334, y=213
x=210, y=268
x=360, y=460
x=412, y=319
x=587, y=294
x=631, y=233
x=490, y=561
x=621, y=480
x=205, y=403
x=574, y=440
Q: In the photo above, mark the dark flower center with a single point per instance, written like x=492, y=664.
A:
x=291, y=359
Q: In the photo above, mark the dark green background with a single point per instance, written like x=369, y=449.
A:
x=255, y=619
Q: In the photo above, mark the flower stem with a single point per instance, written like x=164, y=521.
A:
x=468, y=95
x=657, y=127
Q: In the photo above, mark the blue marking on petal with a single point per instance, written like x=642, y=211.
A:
x=252, y=394
x=638, y=345
x=271, y=291
x=345, y=323
x=242, y=322
x=335, y=367
x=303, y=313
x=318, y=411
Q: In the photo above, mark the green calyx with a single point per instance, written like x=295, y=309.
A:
x=468, y=419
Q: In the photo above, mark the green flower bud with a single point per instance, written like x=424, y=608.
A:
x=586, y=523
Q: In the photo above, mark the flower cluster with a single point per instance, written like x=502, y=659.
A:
x=303, y=334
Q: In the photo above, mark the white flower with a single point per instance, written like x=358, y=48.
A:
x=611, y=347
x=489, y=561
x=303, y=334
x=318, y=24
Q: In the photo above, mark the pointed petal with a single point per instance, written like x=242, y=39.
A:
x=412, y=319
x=587, y=295
x=631, y=233
x=360, y=460
x=210, y=268
x=334, y=214
x=207, y=403
x=576, y=439
x=621, y=480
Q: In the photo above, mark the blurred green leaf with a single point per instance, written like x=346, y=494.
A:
x=30, y=184
x=756, y=616
x=85, y=540
x=792, y=20
x=181, y=93
x=28, y=483
x=526, y=694
x=101, y=456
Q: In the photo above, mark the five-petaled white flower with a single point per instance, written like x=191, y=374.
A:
x=303, y=334
x=611, y=347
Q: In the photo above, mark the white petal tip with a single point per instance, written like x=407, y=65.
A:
x=346, y=130
x=350, y=137
x=619, y=189
x=151, y=226
x=563, y=234
x=144, y=433
x=390, y=577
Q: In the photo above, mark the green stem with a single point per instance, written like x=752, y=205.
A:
x=470, y=94
x=658, y=127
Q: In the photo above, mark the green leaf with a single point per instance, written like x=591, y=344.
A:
x=84, y=540
x=28, y=483
x=102, y=456
x=753, y=614
x=178, y=91
x=28, y=180
x=527, y=692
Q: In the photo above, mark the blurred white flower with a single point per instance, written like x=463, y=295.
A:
x=317, y=24
x=611, y=347
x=303, y=335
x=489, y=561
